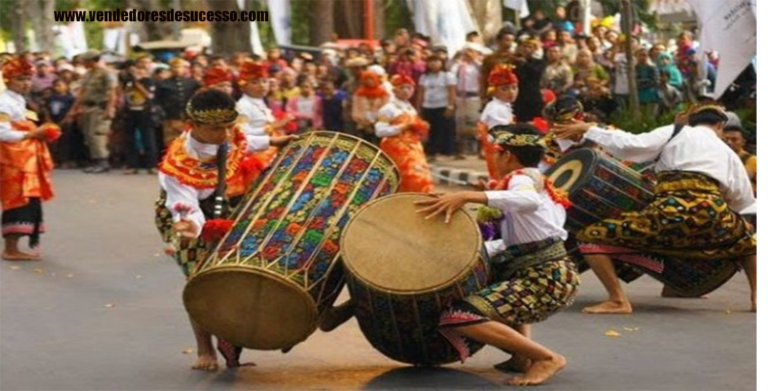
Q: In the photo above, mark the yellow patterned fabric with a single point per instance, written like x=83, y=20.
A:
x=688, y=219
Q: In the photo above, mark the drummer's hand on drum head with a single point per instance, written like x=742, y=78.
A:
x=186, y=228
x=571, y=130
x=442, y=203
x=281, y=141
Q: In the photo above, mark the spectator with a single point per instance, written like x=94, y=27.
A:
x=138, y=91
x=504, y=54
x=647, y=82
x=557, y=76
x=306, y=107
x=734, y=137
x=334, y=103
x=172, y=96
x=436, y=100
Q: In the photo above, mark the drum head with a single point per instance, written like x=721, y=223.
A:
x=392, y=248
x=251, y=308
x=574, y=169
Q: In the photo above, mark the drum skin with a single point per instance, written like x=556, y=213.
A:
x=403, y=271
x=266, y=283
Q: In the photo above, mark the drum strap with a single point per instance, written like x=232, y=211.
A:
x=221, y=184
x=675, y=131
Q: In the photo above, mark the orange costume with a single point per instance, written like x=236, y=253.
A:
x=25, y=163
x=404, y=146
x=256, y=119
x=496, y=112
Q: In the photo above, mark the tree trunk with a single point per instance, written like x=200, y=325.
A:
x=379, y=20
x=626, y=27
x=152, y=31
x=229, y=37
x=44, y=26
x=348, y=15
x=321, y=21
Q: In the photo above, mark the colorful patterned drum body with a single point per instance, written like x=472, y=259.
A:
x=598, y=186
x=403, y=270
x=601, y=187
x=267, y=282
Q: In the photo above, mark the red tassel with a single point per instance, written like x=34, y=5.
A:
x=541, y=124
x=421, y=128
x=291, y=127
x=52, y=132
x=214, y=230
x=250, y=165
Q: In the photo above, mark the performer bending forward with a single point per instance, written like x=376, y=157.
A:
x=188, y=177
x=533, y=276
x=701, y=187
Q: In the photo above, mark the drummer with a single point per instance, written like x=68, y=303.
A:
x=701, y=187
x=534, y=278
x=188, y=177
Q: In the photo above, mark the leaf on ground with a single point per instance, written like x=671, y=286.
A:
x=187, y=351
x=612, y=333
x=14, y=267
x=109, y=305
x=37, y=270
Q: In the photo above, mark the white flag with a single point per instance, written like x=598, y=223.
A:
x=728, y=27
x=520, y=5
x=446, y=22
x=280, y=19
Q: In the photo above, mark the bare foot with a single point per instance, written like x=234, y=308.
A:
x=516, y=363
x=231, y=354
x=540, y=371
x=206, y=362
x=668, y=291
x=19, y=256
x=609, y=307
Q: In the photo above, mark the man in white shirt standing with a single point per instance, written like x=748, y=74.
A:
x=702, y=186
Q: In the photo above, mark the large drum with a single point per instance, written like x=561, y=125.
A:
x=598, y=186
x=267, y=282
x=403, y=270
x=601, y=187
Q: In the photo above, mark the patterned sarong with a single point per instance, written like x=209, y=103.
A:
x=522, y=294
x=688, y=219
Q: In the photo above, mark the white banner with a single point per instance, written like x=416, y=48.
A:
x=280, y=19
x=728, y=27
x=446, y=22
x=520, y=5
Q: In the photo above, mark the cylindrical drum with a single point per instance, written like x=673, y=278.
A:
x=403, y=270
x=598, y=186
x=266, y=283
x=601, y=187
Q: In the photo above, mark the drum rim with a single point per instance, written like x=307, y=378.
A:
x=352, y=273
x=589, y=165
x=309, y=302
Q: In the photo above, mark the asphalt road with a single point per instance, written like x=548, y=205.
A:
x=103, y=311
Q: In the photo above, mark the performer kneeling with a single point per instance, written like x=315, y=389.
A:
x=702, y=184
x=533, y=276
x=189, y=181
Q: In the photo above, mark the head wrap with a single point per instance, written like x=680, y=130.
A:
x=501, y=75
x=250, y=70
x=563, y=109
x=15, y=67
x=402, y=79
x=216, y=75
